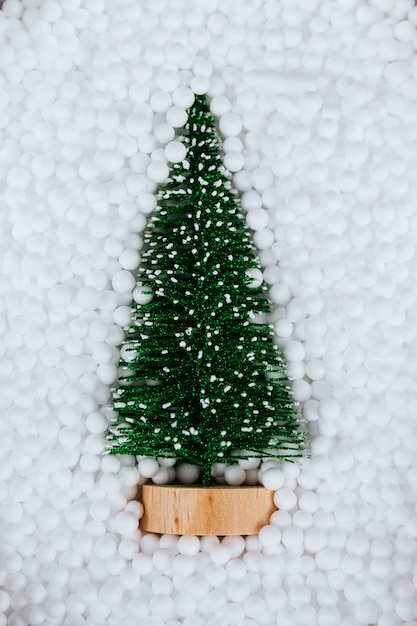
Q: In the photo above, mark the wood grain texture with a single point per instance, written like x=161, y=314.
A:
x=196, y=510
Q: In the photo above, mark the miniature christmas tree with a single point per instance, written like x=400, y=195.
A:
x=201, y=378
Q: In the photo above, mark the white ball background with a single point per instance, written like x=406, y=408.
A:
x=316, y=102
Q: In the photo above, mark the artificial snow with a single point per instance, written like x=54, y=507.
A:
x=316, y=103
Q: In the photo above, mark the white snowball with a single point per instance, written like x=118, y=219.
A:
x=164, y=133
x=189, y=545
x=272, y=478
x=234, y=161
x=129, y=259
x=138, y=124
x=109, y=160
x=157, y=171
x=285, y=499
x=215, y=574
x=283, y=328
x=257, y=219
x=148, y=467
x=234, y=474
x=255, y=276
x=220, y=554
x=230, y=124
x=187, y=474
x=166, y=462
x=329, y=409
x=269, y=536
x=315, y=540
x=167, y=80
x=175, y=152
x=163, y=476
x=126, y=522
x=42, y=167
x=183, y=97
x=176, y=116
x=200, y=85
x=142, y=295
x=160, y=101
x=220, y=105
x=249, y=464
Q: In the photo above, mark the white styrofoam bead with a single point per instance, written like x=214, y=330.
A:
x=230, y=124
x=175, y=152
x=285, y=499
x=234, y=474
x=148, y=467
x=272, y=478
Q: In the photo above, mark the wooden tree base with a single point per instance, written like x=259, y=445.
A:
x=196, y=510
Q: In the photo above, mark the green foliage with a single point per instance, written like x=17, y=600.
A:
x=201, y=378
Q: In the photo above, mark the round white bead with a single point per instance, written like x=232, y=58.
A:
x=175, y=152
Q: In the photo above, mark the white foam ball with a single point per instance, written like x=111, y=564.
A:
x=200, y=84
x=220, y=554
x=167, y=80
x=328, y=559
x=220, y=105
x=406, y=609
x=215, y=574
x=183, y=97
x=157, y=171
x=164, y=133
x=234, y=161
x=263, y=240
x=187, y=473
x=148, y=467
x=109, y=160
x=358, y=544
x=237, y=591
x=4, y=601
x=285, y=499
x=129, y=259
x=302, y=390
x=315, y=540
x=142, y=563
x=234, y=474
x=175, y=152
x=292, y=538
x=126, y=522
x=42, y=167
x=230, y=124
x=272, y=478
x=329, y=409
x=142, y=294
x=257, y=219
x=283, y=328
x=249, y=464
x=122, y=316
x=365, y=612
x=189, y=545
x=255, y=276
x=138, y=124
x=254, y=606
x=176, y=116
x=163, y=476
x=161, y=605
x=184, y=604
x=184, y=565
x=269, y=536
x=294, y=351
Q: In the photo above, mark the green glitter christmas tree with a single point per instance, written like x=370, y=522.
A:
x=201, y=378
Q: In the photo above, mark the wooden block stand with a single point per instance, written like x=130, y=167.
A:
x=196, y=510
